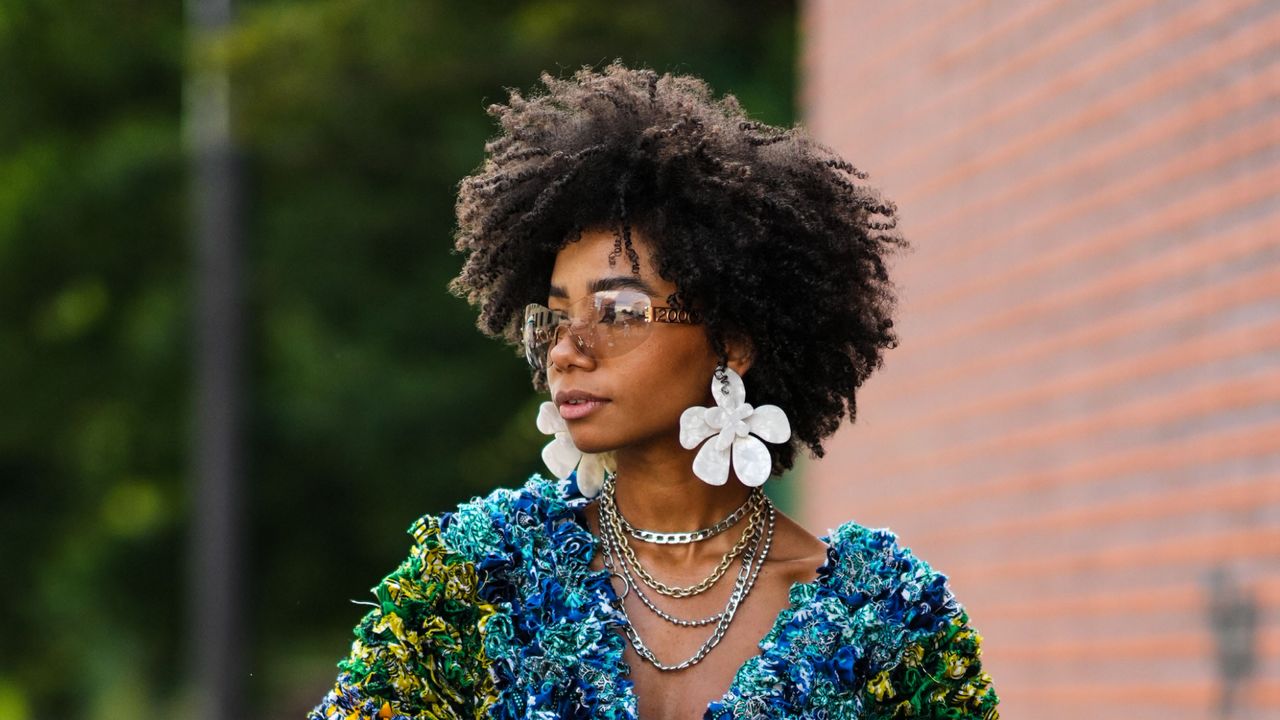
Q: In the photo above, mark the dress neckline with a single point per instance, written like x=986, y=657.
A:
x=600, y=579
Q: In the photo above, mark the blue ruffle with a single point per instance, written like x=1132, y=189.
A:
x=553, y=641
x=556, y=647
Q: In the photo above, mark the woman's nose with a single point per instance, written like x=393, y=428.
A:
x=569, y=349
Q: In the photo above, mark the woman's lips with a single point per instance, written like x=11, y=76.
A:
x=577, y=411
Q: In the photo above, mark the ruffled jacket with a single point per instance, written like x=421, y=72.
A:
x=496, y=613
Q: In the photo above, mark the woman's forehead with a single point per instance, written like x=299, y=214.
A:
x=583, y=267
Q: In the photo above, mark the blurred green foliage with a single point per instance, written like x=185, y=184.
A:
x=372, y=398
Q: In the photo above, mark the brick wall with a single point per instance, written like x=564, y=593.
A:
x=1082, y=423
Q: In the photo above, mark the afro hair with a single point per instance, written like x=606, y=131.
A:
x=765, y=233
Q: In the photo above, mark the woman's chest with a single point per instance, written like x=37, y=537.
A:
x=724, y=656
x=686, y=694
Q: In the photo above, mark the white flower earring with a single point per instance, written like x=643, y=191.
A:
x=562, y=456
x=735, y=425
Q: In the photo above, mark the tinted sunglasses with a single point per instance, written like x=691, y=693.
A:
x=606, y=324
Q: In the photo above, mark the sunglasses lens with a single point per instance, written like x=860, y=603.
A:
x=541, y=325
x=603, y=325
x=622, y=321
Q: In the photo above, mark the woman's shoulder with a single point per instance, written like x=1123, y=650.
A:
x=440, y=636
x=896, y=599
x=865, y=563
x=869, y=578
x=878, y=634
x=922, y=655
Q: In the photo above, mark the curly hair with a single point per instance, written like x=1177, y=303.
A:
x=767, y=234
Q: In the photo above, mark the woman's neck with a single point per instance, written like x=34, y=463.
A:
x=658, y=491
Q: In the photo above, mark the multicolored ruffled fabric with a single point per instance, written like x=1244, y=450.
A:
x=420, y=653
x=497, y=613
x=877, y=635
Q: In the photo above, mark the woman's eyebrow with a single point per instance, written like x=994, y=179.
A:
x=617, y=282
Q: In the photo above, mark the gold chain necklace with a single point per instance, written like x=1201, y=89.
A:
x=751, y=564
x=612, y=519
x=676, y=591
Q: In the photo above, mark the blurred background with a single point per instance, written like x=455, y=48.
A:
x=1082, y=424
x=231, y=375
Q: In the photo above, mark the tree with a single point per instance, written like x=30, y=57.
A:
x=372, y=397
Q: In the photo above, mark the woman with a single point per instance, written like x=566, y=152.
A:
x=654, y=579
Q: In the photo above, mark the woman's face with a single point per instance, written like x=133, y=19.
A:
x=642, y=391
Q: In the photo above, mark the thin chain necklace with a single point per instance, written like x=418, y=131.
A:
x=616, y=540
x=752, y=561
x=741, y=590
x=632, y=585
x=610, y=515
x=614, y=563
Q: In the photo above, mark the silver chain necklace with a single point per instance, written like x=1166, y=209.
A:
x=615, y=548
x=751, y=564
x=684, y=538
x=631, y=584
x=610, y=519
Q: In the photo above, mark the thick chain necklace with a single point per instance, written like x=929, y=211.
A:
x=741, y=590
x=753, y=501
x=609, y=515
x=632, y=586
x=619, y=548
x=752, y=561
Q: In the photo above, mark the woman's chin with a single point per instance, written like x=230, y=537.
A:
x=594, y=448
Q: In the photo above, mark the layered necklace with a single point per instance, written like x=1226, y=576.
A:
x=621, y=562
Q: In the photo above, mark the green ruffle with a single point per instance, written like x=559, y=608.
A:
x=420, y=654
x=939, y=676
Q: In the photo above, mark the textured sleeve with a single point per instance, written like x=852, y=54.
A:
x=913, y=652
x=939, y=675
x=419, y=653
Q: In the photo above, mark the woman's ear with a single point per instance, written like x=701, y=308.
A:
x=739, y=350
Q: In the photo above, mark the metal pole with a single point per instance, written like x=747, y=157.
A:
x=215, y=603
